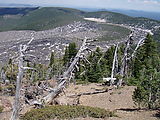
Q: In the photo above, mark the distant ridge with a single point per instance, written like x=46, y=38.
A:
x=45, y=18
x=137, y=13
x=37, y=19
x=15, y=11
x=132, y=13
x=16, y=5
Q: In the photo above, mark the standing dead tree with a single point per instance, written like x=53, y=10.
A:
x=124, y=66
x=140, y=43
x=127, y=57
x=21, y=68
x=3, y=75
x=114, y=65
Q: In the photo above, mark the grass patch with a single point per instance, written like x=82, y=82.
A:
x=66, y=112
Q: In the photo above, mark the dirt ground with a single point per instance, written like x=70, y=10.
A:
x=118, y=100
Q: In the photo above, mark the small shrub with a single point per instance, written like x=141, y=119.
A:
x=1, y=88
x=1, y=109
x=66, y=112
x=9, y=89
x=139, y=97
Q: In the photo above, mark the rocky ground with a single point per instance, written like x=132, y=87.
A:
x=46, y=41
x=56, y=40
x=118, y=100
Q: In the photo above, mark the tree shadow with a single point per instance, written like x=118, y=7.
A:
x=128, y=109
x=157, y=114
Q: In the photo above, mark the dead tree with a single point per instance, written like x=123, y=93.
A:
x=126, y=57
x=114, y=65
x=89, y=93
x=3, y=75
x=21, y=69
x=65, y=77
x=124, y=66
x=140, y=43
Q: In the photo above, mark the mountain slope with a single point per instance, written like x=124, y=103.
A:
x=137, y=13
x=138, y=22
x=40, y=19
x=124, y=19
x=15, y=11
x=51, y=17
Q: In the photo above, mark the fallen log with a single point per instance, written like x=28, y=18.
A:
x=65, y=78
x=89, y=93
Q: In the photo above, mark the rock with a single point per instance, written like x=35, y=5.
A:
x=7, y=105
x=64, y=100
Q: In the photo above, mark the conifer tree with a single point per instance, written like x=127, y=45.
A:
x=66, y=57
x=70, y=53
x=96, y=70
x=72, y=50
x=146, y=71
x=52, y=59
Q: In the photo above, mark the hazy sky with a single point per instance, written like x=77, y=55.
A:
x=147, y=5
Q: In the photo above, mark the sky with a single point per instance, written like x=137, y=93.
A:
x=145, y=5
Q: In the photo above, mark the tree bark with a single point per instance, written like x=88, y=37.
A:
x=21, y=68
x=66, y=76
x=123, y=69
x=16, y=106
x=114, y=65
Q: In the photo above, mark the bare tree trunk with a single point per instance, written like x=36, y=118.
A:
x=76, y=59
x=3, y=76
x=140, y=42
x=114, y=65
x=66, y=76
x=16, y=105
x=89, y=93
x=21, y=68
x=124, y=66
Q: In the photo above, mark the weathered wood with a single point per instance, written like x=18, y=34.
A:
x=16, y=106
x=3, y=76
x=140, y=43
x=66, y=76
x=89, y=93
x=126, y=57
x=21, y=69
x=76, y=59
x=125, y=60
x=114, y=65
x=108, y=79
x=58, y=89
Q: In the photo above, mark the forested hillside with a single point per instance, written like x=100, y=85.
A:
x=48, y=18
x=56, y=64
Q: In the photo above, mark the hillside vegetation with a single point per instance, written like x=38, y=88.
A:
x=40, y=19
x=62, y=59
x=66, y=112
x=51, y=17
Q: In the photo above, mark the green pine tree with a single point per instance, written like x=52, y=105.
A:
x=70, y=53
x=146, y=72
x=52, y=59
